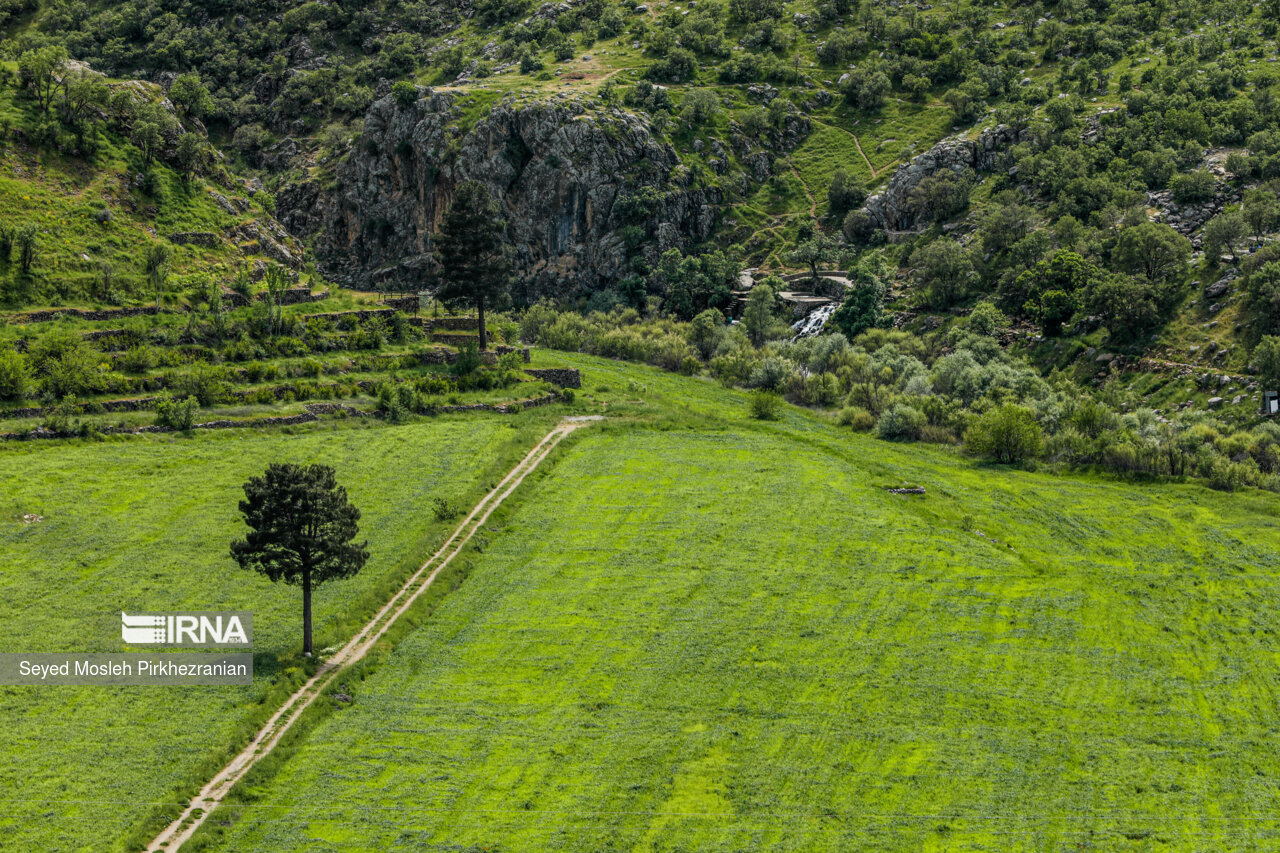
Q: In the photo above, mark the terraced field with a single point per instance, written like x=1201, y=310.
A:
x=707, y=634
x=143, y=524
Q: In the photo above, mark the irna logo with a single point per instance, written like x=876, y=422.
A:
x=188, y=629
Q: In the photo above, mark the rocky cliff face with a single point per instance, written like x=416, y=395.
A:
x=570, y=181
x=889, y=208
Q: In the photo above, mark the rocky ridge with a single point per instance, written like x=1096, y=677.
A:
x=890, y=208
x=575, y=185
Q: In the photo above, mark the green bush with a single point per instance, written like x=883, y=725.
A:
x=766, y=405
x=858, y=418
x=987, y=319
x=900, y=423
x=404, y=92
x=445, y=509
x=14, y=375
x=206, y=382
x=1008, y=434
x=178, y=414
x=138, y=359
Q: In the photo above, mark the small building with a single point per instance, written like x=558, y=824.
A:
x=1270, y=403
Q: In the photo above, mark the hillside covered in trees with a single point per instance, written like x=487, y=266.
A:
x=1098, y=184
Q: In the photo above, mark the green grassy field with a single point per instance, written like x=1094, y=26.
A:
x=143, y=525
x=720, y=635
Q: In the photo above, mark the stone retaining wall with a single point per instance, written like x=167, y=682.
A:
x=402, y=303
x=455, y=324
x=333, y=409
x=312, y=414
x=297, y=296
x=504, y=408
x=83, y=314
x=454, y=339
x=565, y=377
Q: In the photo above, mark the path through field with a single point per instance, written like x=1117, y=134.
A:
x=211, y=795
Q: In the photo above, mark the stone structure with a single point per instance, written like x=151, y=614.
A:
x=564, y=377
x=93, y=315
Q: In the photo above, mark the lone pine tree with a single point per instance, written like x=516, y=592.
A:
x=301, y=527
x=475, y=261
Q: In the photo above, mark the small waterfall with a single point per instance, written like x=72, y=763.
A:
x=813, y=323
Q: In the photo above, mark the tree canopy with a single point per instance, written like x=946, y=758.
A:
x=301, y=528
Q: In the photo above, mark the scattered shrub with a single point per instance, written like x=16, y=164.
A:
x=766, y=405
x=1007, y=434
x=15, y=376
x=858, y=418
x=900, y=422
x=445, y=509
x=175, y=413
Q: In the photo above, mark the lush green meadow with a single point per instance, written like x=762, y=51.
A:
x=718, y=635
x=142, y=525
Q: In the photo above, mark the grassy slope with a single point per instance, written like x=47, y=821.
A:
x=60, y=195
x=731, y=638
x=144, y=525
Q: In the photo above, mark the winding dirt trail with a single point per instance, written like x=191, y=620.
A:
x=212, y=794
x=813, y=203
x=865, y=158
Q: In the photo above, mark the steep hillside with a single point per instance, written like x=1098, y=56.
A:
x=1102, y=173
x=102, y=208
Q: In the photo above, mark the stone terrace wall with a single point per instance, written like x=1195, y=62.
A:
x=83, y=314
x=565, y=377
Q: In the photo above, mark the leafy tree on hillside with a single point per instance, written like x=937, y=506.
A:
x=862, y=309
x=699, y=107
x=867, y=90
x=942, y=270
x=301, y=531
x=82, y=90
x=693, y=283
x=813, y=251
x=28, y=246
x=1153, y=249
x=190, y=95
x=703, y=331
x=1066, y=272
x=751, y=11
x=1051, y=309
x=844, y=194
x=148, y=134
x=66, y=364
x=1261, y=211
x=758, y=315
x=158, y=261
x=1266, y=356
x=1262, y=296
x=475, y=261
x=939, y=197
x=39, y=72
x=191, y=154
x=988, y=320
x=1128, y=306
x=1224, y=231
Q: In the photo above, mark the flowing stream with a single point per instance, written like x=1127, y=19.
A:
x=813, y=323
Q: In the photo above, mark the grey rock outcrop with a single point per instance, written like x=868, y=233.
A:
x=563, y=175
x=890, y=208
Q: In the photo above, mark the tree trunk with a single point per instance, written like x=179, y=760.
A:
x=306, y=612
x=480, y=309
